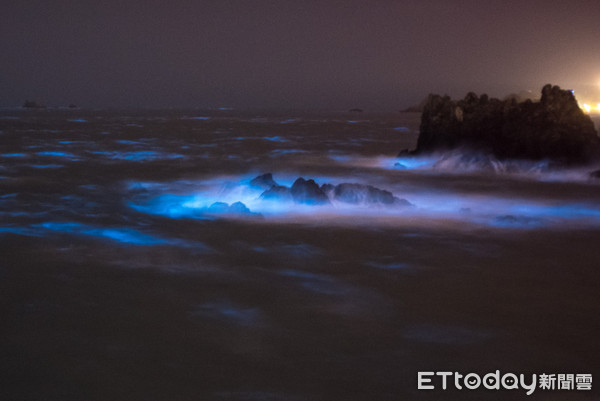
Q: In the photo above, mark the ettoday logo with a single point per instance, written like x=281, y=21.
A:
x=508, y=381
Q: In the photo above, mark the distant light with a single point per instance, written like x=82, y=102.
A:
x=587, y=107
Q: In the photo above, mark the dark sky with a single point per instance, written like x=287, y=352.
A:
x=287, y=54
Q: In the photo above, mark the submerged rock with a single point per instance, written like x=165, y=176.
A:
x=239, y=208
x=553, y=128
x=218, y=207
x=365, y=194
x=511, y=220
x=235, y=209
x=595, y=174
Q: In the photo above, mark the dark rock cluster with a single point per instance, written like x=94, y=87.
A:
x=308, y=192
x=553, y=128
x=31, y=104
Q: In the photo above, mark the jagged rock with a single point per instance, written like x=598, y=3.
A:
x=263, y=182
x=362, y=194
x=277, y=192
x=416, y=108
x=308, y=192
x=523, y=96
x=553, y=128
x=328, y=190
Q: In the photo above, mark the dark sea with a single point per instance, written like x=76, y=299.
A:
x=127, y=274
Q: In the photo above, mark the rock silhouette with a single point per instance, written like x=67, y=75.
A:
x=553, y=128
x=31, y=104
x=365, y=194
x=264, y=181
x=308, y=192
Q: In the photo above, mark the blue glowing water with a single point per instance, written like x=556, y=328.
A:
x=140, y=242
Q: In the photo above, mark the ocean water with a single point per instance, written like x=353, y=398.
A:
x=121, y=280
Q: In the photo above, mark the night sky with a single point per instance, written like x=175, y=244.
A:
x=377, y=55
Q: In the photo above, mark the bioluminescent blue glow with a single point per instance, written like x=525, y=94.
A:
x=14, y=155
x=318, y=283
x=199, y=118
x=65, y=155
x=340, y=158
x=275, y=139
x=229, y=312
x=173, y=206
x=123, y=235
x=408, y=163
x=389, y=266
x=281, y=152
x=139, y=156
x=210, y=199
x=148, y=155
x=127, y=142
x=25, y=231
x=43, y=166
x=457, y=163
x=77, y=120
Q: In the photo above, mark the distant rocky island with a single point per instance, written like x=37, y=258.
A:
x=32, y=104
x=552, y=128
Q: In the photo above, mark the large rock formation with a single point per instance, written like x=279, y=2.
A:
x=553, y=128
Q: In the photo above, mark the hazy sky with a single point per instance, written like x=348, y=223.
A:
x=318, y=54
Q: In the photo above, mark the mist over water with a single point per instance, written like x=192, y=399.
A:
x=126, y=248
